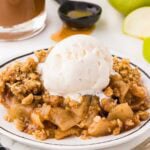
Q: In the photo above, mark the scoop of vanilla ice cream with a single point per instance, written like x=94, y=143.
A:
x=77, y=66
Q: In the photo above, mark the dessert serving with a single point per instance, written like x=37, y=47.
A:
x=74, y=89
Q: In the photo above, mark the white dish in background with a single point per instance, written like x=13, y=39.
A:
x=73, y=143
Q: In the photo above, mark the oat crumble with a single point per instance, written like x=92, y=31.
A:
x=44, y=116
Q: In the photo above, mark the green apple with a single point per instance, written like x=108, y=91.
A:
x=146, y=49
x=137, y=23
x=126, y=6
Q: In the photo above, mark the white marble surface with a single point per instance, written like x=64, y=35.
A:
x=108, y=31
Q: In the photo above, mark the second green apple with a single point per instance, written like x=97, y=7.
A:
x=126, y=6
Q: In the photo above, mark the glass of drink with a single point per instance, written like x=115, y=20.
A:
x=21, y=19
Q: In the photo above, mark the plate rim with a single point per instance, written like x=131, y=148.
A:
x=140, y=130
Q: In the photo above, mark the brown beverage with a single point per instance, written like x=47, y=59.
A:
x=13, y=12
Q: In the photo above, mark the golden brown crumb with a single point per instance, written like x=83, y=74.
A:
x=136, y=119
x=40, y=134
x=119, y=123
x=143, y=115
x=138, y=91
x=116, y=131
x=8, y=118
x=36, y=119
x=45, y=111
x=84, y=135
x=108, y=92
x=97, y=119
x=41, y=55
x=46, y=97
x=55, y=100
x=29, y=65
x=108, y=104
x=27, y=100
x=128, y=73
x=2, y=86
x=20, y=125
x=129, y=124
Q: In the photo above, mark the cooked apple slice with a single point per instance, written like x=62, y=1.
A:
x=137, y=23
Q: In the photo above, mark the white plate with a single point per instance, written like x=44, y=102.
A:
x=73, y=143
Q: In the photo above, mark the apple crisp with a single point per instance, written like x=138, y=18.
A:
x=34, y=111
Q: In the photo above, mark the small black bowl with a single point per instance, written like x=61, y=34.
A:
x=83, y=22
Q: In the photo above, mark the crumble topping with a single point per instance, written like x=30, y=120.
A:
x=34, y=111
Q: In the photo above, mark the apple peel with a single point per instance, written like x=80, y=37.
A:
x=146, y=49
x=137, y=23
